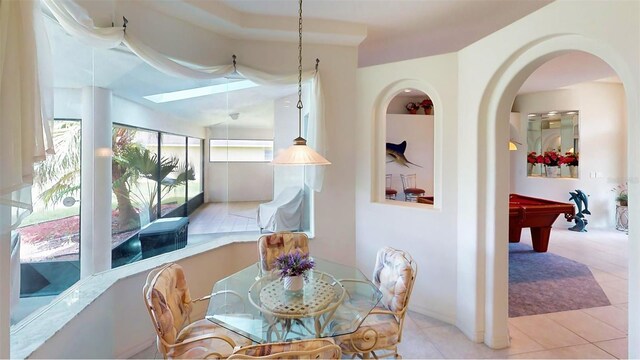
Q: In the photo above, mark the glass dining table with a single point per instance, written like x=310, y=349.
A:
x=334, y=301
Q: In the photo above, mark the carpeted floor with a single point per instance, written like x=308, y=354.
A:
x=541, y=283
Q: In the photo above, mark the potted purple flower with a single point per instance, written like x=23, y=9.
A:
x=293, y=268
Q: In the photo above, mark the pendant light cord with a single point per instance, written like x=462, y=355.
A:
x=299, y=106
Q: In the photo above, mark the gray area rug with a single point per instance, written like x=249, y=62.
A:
x=541, y=283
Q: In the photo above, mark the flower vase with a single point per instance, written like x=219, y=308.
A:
x=573, y=170
x=529, y=169
x=427, y=111
x=293, y=283
x=413, y=111
x=552, y=171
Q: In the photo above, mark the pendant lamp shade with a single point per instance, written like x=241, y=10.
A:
x=299, y=153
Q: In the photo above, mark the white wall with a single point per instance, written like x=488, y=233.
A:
x=117, y=325
x=427, y=233
x=491, y=72
x=417, y=131
x=238, y=181
x=603, y=153
x=68, y=104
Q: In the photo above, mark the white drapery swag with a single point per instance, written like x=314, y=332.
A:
x=75, y=21
x=26, y=102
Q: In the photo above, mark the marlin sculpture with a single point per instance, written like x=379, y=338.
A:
x=396, y=152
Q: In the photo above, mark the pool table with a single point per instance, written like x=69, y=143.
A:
x=537, y=214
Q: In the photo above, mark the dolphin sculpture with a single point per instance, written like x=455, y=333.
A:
x=578, y=200
x=396, y=152
x=585, y=201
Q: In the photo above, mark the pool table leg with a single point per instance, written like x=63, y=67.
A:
x=540, y=238
x=514, y=233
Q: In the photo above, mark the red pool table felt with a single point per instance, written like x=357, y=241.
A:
x=537, y=214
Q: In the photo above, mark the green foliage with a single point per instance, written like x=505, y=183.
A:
x=135, y=172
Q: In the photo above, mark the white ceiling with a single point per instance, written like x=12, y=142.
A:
x=568, y=69
x=385, y=31
x=404, y=29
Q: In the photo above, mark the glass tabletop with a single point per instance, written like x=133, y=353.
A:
x=334, y=301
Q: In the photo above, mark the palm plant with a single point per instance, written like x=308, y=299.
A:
x=59, y=174
x=143, y=164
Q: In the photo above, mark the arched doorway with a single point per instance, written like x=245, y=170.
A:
x=493, y=188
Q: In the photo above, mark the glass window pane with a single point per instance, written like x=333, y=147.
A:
x=135, y=189
x=194, y=157
x=50, y=236
x=174, y=172
x=241, y=150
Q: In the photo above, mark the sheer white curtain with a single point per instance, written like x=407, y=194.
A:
x=75, y=20
x=26, y=102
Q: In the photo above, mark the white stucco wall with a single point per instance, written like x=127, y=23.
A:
x=491, y=72
x=427, y=233
x=603, y=153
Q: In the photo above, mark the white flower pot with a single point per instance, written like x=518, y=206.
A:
x=573, y=170
x=552, y=171
x=293, y=283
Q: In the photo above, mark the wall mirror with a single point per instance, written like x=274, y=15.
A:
x=553, y=144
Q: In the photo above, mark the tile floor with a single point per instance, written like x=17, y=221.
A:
x=595, y=333
x=224, y=217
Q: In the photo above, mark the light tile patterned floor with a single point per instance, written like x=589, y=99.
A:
x=579, y=334
x=224, y=217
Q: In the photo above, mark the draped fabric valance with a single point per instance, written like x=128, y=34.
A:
x=26, y=91
x=26, y=102
x=75, y=21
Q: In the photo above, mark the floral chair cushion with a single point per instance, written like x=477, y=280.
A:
x=377, y=331
x=170, y=302
x=273, y=245
x=393, y=275
x=201, y=348
x=330, y=352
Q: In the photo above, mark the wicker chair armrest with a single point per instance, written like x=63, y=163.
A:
x=224, y=338
x=206, y=297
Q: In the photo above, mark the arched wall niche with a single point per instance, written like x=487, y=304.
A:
x=380, y=135
x=492, y=191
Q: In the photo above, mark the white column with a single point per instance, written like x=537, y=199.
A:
x=95, y=215
x=5, y=279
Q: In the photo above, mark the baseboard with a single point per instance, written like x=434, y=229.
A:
x=436, y=315
x=134, y=350
x=473, y=335
x=500, y=342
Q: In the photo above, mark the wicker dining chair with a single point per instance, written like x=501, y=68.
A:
x=381, y=332
x=169, y=303
x=301, y=349
x=273, y=245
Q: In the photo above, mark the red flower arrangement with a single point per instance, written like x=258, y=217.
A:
x=532, y=157
x=550, y=158
x=412, y=107
x=427, y=104
x=571, y=159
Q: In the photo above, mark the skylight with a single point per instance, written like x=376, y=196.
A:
x=201, y=91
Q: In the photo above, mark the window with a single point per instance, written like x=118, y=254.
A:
x=50, y=235
x=174, y=172
x=240, y=150
x=194, y=155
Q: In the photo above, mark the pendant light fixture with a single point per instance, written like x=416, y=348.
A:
x=299, y=153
